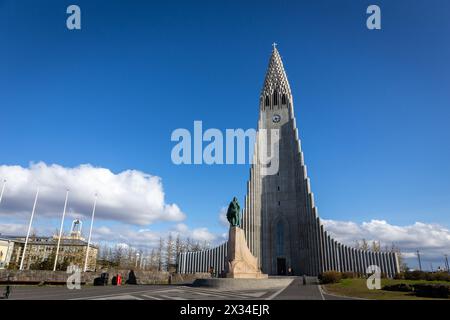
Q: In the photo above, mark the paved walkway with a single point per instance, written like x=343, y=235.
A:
x=311, y=291
x=139, y=292
x=295, y=291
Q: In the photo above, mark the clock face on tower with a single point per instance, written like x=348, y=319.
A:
x=276, y=118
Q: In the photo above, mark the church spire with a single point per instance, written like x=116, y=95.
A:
x=276, y=78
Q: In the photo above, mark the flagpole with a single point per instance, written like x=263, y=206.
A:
x=90, y=234
x=61, y=229
x=29, y=229
x=3, y=190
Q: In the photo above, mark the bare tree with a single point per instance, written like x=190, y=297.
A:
x=401, y=259
x=103, y=252
x=188, y=246
x=376, y=246
x=178, y=246
x=153, y=265
x=118, y=255
x=159, y=254
x=170, y=251
x=110, y=254
x=363, y=245
x=195, y=247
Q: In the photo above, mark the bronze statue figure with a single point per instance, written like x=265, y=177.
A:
x=233, y=213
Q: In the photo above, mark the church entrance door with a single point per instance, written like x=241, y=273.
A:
x=281, y=266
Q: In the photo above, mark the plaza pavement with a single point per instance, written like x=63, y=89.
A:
x=295, y=291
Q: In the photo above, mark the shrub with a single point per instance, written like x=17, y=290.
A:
x=415, y=275
x=438, y=276
x=400, y=276
x=432, y=290
x=428, y=276
x=330, y=277
x=403, y=287
x=348, y=275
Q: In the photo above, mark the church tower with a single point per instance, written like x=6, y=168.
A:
x=280, y=220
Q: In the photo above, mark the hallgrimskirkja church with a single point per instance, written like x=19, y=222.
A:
x=280, y=219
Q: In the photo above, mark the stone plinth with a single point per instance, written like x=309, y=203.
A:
x=244, y=284
x=241, y=263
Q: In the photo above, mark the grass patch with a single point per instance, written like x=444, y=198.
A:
x=358, y=288
x=346, y=282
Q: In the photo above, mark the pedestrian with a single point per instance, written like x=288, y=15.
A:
x=8, y=288
x=304, y=280
x=131, y=278
x=7, y=291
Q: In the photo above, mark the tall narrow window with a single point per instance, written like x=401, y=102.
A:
x=267, y=101
x=275, y=98
x=280, y=238
x=283, y=99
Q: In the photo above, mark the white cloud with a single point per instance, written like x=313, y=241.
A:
x=148, y=238
x=130, y=196
x=223, y=217
x=104, y=231
x=197, y=234
x=203, y=234
x=127, y=236
x=432, y=240
x=13, y=229
x=181, y=228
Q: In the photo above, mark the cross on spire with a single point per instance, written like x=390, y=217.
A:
x=274, y=45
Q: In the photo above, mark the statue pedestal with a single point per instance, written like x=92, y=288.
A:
x=241, y=263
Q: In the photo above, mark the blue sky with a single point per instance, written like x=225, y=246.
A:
x=372, y=107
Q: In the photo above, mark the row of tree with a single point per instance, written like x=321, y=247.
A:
x=376, y=247
x=161, y=258
x=164, y=256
